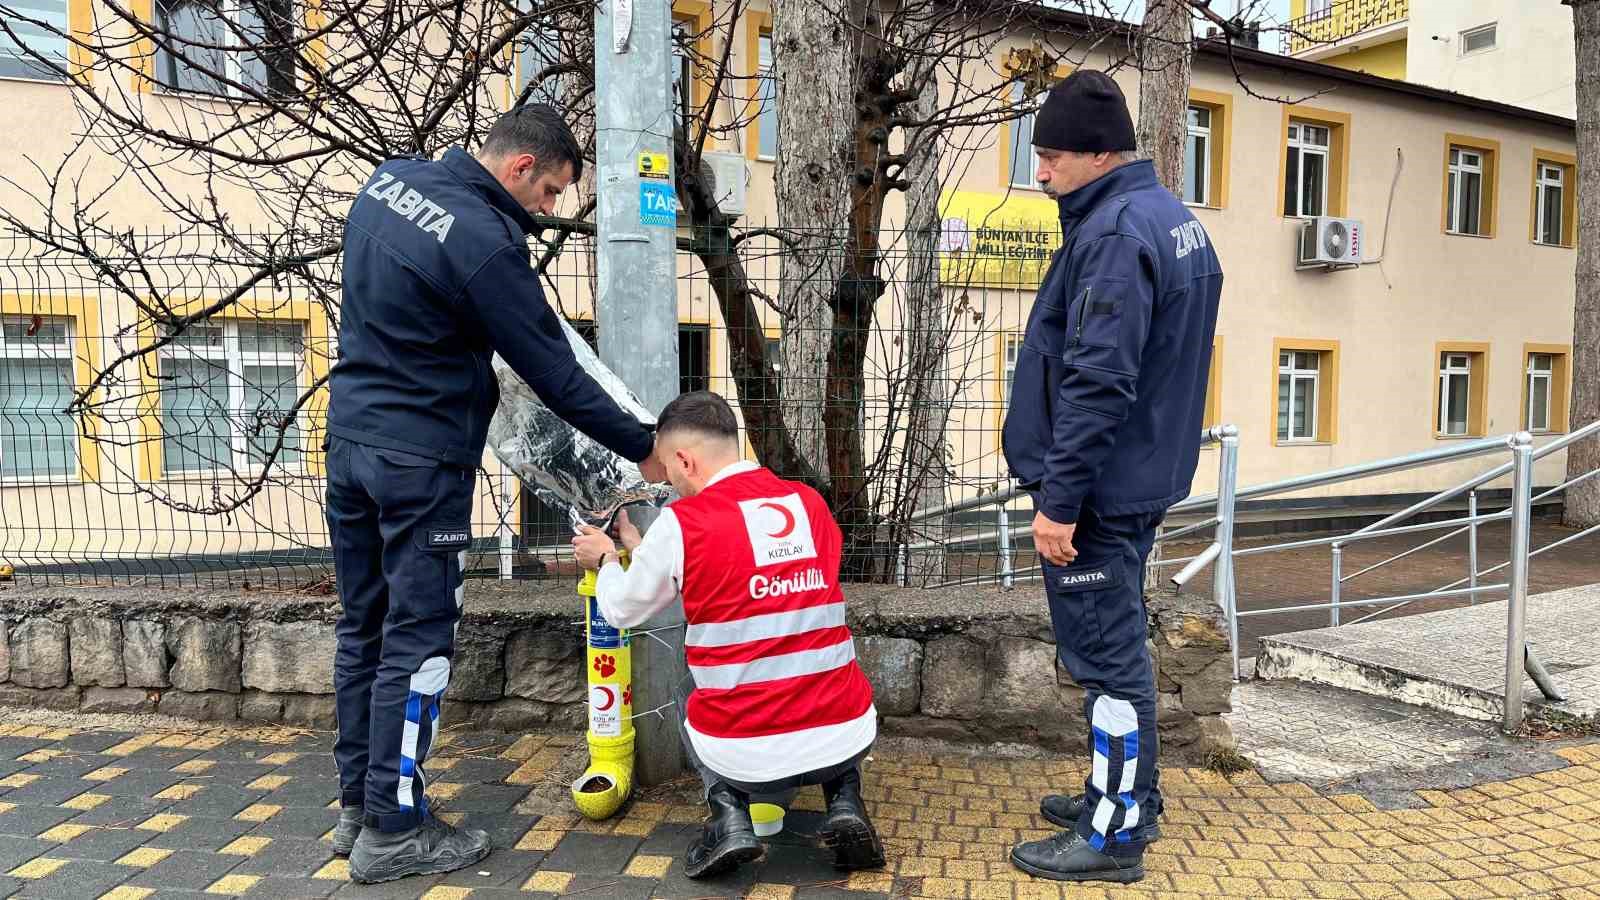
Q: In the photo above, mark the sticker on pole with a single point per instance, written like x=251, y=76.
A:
x=602, y=634
x=605, y=710
x=654, y=165
x=658, y=204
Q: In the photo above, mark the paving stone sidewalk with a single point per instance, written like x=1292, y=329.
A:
x=97, y=813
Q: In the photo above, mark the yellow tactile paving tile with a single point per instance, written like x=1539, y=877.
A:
x=548, y=882
x=127, y=893
x=258, y=812
x=233, y=885
x=144, y=857
x=40, y=867
x=181, y=791
x=249, y=845
x=86, y=801
x=268, y=783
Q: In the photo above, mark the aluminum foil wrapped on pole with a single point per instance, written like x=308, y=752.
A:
x=563, y=466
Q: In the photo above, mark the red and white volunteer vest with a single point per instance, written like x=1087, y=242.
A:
x=777, y=688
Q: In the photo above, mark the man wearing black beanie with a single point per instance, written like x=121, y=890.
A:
x=1103, y=430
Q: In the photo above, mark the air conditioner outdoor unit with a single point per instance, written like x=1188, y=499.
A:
x=1327, y=242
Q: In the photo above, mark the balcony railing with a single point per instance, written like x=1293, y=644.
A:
x=1340, y=20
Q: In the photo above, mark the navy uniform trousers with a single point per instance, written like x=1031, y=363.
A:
x=1098, y=614
x=400, y=527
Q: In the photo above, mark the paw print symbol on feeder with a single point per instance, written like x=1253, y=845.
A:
x=606, y=665
x=627, y=695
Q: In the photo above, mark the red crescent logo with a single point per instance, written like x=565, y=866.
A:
x=611, y=698
x=788, y=520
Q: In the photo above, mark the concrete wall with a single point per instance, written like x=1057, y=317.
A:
x=964, y=664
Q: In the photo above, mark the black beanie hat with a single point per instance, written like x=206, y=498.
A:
x=1085, y=112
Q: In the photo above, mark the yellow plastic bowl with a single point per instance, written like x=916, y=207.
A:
x=767, y=817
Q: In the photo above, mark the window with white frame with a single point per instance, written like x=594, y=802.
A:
x=767, y=98
x=227, y=389
x=39, y=48
x=1316, y=9
x=1305, y=183
x=1197, y=158
x=1455, y=393
x=1478, y=40
x=1549, y=204
x=37, y=440
x=1464, y=192
x=1008, y=363
x=1541, y=379
x=231, y=48
x=1022, y=165
x=1299, y=372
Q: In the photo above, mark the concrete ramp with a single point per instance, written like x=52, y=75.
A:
x=1454, y=660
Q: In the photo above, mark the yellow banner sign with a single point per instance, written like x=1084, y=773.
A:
x=997, y=240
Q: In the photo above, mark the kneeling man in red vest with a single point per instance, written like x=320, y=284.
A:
x=777, y=700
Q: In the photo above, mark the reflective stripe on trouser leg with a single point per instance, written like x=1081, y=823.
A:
x=422, y=713
x=1115, y=726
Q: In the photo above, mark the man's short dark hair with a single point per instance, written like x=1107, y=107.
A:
x=703, y=412
x=536, y=129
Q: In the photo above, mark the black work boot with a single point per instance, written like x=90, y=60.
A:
x=348, y=829
x=1063, y=811
x=728, y=839
x=430, y=849
x=1068, y=857
x=848, y=831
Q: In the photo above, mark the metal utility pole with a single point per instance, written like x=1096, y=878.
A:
x=637, y=302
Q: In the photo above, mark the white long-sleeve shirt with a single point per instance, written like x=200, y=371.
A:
x=654, y=577
x=652, y=582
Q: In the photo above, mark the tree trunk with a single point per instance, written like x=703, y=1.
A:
x=1164, y=49
x=812, y=60
x=1583, y=501
x=1165, y=44
x=925, y=334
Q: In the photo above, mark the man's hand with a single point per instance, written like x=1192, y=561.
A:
x=652, y=469
x=591, y=545
x=1054, y=540
x=627, y=532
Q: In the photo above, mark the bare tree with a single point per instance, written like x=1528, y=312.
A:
x=1583, y=500
x=251, y=136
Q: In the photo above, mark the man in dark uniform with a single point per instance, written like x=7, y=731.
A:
x=436, y=280
x=1104, y=432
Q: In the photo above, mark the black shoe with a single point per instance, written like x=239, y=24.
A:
x=1068, y=857
x=848, y=831
x=348, y=829
x=728, y=839
x=430, y=849
x=1063, y=811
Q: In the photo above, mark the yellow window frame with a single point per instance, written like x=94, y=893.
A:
x=1477, y=392
x=1569, y=197
x=84, y=312
x=1221, y=106
x=151, y=466
x=1490, y=215
x=1338, y=125
x=1327, y=389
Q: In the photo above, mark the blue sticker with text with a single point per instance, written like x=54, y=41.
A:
x=658, y=205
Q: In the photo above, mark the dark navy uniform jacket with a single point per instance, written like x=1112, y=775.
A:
x=436, y=280
x=1110, y=384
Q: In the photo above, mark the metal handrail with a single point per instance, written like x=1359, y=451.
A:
x=1221, y=553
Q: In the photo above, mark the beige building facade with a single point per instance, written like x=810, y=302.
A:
x=1458, y=323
